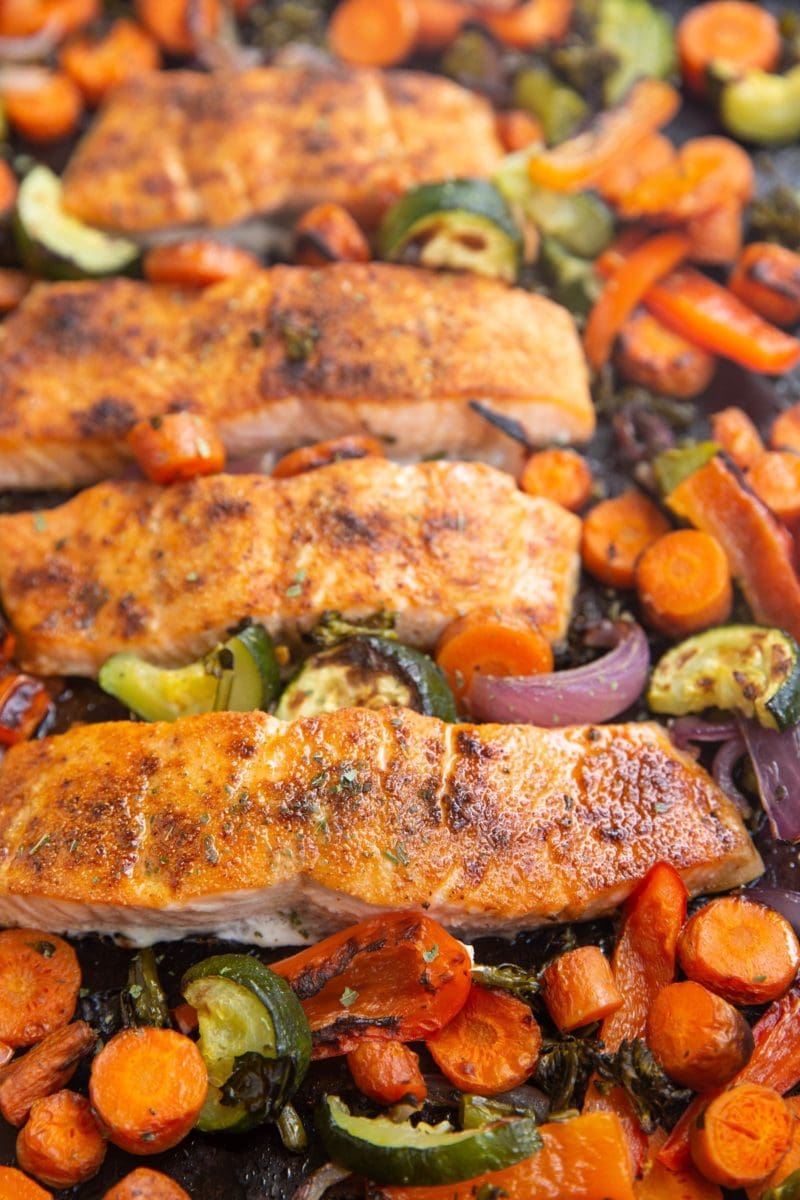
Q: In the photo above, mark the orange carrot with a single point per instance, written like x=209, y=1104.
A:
x=791, y=1159
x=582, y=160
x=785, y=432
x=146, y=1184
x=387, y=1072
x=699, y=1039
x=775, y=479
x=490, y=641
x=49, y=109
x=68, y=16
x=518, y=129
x=197, y=264
x=177, y=446
x=684, y=583
x=322, y=454
x=738, y=436
x=373, y=33
x=490, y=1046
x=21, y=18
x=328, y=233
x=644, y=267
x=8, y=192
x=14, y=286
x=767, y=277
x=741, y=1135
x=659, y=1183
x=560, y=474
x=715, y=237
x=147, y=1087
x=578, y=988
x=731, y=31
x=529, y=24
x=61, y=1144
x=439, y=22
x=615, y=535
x=180, y=26
x=16, y=1186
x=651, y=354
x=653, y=153
x=98, y=64
x=45, y=1069
x=707, y=172
x=741, y=950
x=39, y=982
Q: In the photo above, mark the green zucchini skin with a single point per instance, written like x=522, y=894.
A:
x=751, y=669
x=388, y=1153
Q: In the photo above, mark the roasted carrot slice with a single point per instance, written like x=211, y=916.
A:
x=741, y=1135
x=775, y=479
x=16, y=1186
x=785, y=432
x=645, y=266
x=732, y=31
x=651, y=354
x=741, y=950
x=559, y=474
x=790, y=1161
x=387, y=1072
x=328, y=233
x=767, y=277
x=707, y=172
x=683, y=582
x=654, y=153
x=49, y=109
x=518, y=129
x=715, y=237
x=373, y=33
x=176, y=446
x=61, y=1144
x=45, y=1069
x=147, y=1087
x=39, y=982
x=530, y=24
x=615, y=535
x=8, y=193
x=146, y=1184
x=439, y=22
x=14, y=286
x=98, y=64
x=699, y=1039
x=578, y=988
x=491, y=642
x=180, y=26
x=738, y=436
x=197, y=264
x=581, y=161
x=490, y=1046
x=322, y=454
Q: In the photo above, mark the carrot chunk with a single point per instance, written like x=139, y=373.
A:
x=14, y=287
x=387, y=1072
x=439, y=22
x=715, y=237
x=98, y=64
x=45, y=1069
x=559, y=474
x=654, y=153
x=767, y=277
x=328, y=233
x=684, y=583
x=615, y=535
x=741, y=1135
x=47, y=110
x=530, y=24
x=39, y=982
x=731, y=31
x=177, y=446
x=651, y=354
x=579, y=988
x=707, y=172
x=738, y=436
x=741, y=950
x=197, y=264
x=146, y=1184
x=775, y=479
x=180, y=26
x=785, y=432
x=61, y=1144
x=373, y=33
x=699, y=1039
x=322, y=454
x=491, y=642
x=492, y=1044
x=16, y=1186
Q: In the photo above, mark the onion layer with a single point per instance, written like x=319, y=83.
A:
x=776, y=762
x=785, y=902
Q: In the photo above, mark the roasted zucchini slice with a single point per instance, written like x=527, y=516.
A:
x=749, y=669
x=462, y=225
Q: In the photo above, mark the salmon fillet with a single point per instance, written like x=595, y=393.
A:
x=165, y=571
x=240, y=825
x=184, y=148
x=284, y=356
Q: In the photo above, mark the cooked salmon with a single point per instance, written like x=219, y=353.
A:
x=165, y=571
x=240, y=825
x=183, y=148
x=284, y=356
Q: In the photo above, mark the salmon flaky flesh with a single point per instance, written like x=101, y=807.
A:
x=242, y=825
x=284, y=355
x=182, y=148
x=165, y=572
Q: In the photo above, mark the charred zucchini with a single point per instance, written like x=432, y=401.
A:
x=367, y=672
x=580, y=221
x=641, y=38
x=559, y=108
x=760, y=107
x=749, y=669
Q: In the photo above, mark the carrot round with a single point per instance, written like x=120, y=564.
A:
x=328, y=233
x=615, y=535
x=741, y=1135
x=439, y=22
x=46, y=111
x=387, y=1072
x=492, y=642
x=735, y=432
x=197, y=264
x=775, y=479
x=39, y=982
x=16, y=1186
x=322, y=454
x=560, y=474
x=740, y=949
x=146, y=1184
x=767, y=277
x=790, y=1163
x=176, y=446
x=684, y=583
x=578, y=988
x=180, y=26
x=699, y=1039
x=98, y=64
x=650, y=262
x=785, y=432
x=147, y=1087
x=8, y=188
x=530, y=24
x=61, y=1143
x=492, y=1045
x=730, y=31
x=518, y=129
x=649, y=353
x=373, y=33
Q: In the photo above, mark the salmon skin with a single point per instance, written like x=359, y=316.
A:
x=165, y=572
x=243, y=826
x=180, y=148
x=287, y=355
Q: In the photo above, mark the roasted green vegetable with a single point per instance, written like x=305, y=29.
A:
x=788, y=1190
x=580, y=221
x=143, y=1001
x=559, y=107
x=656, y=1100
x=509, y=978
x=775, y=217
x=563, y=1070
x=477, y=1111
x=673, y=466
x=332, y=627
x=475, y=61
x=642, y=39
x=570, y=280
x=760, y=107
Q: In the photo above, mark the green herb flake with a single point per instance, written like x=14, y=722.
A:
x=46, y=949
x=211, y=851
x=399, y=856
x=191, y=577
x=294, y=589
x=36, y=847
x=348, y=997
x=39, y=522
x=432, y=954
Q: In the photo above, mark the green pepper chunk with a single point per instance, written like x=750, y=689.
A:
x=642, y=39
x=762, y=108
x=673, y=466
x=559, y=107
x=144, y=1001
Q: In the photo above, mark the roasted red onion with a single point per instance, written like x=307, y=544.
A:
x=781, y=899
x=318, y=1182
x=580, y=696
x=776, y=762
x=722, y=768
x=36, y=46
x=685, y=730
